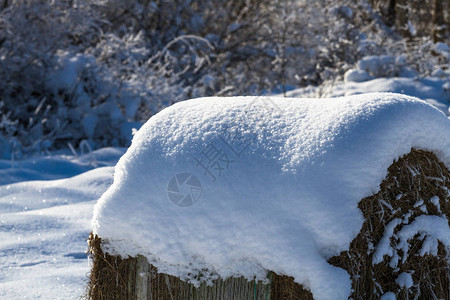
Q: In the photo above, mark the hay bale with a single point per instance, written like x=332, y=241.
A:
x=418, y=184
x=415, y=178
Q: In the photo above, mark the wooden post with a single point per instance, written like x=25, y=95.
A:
x=142, y=278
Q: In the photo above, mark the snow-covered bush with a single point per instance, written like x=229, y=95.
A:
x=424, y=59
x=33, y=32
x=92, y=70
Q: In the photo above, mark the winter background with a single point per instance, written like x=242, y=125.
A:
x=79, y=78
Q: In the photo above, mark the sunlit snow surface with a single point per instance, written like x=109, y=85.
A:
x=434, y=89
x=44, y=224
x=247, y=184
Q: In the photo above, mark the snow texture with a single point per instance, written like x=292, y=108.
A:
x=384, y=246
x=435, y=201
x=432, y=228
x=57, y=166
x=242, y=185
x=44, y=223
x=428, y=89
x=404, y=280
x=388, y=296
x=390, y=74
x=376, y=65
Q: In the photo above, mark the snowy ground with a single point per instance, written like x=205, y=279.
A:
x=45, y=221
x=434, y=90
x=376, y=74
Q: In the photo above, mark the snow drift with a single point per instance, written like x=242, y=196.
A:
x=242, y=185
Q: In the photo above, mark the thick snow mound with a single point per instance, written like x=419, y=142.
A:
x=242, y=185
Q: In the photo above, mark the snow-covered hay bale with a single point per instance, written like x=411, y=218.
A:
x=281, y=199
